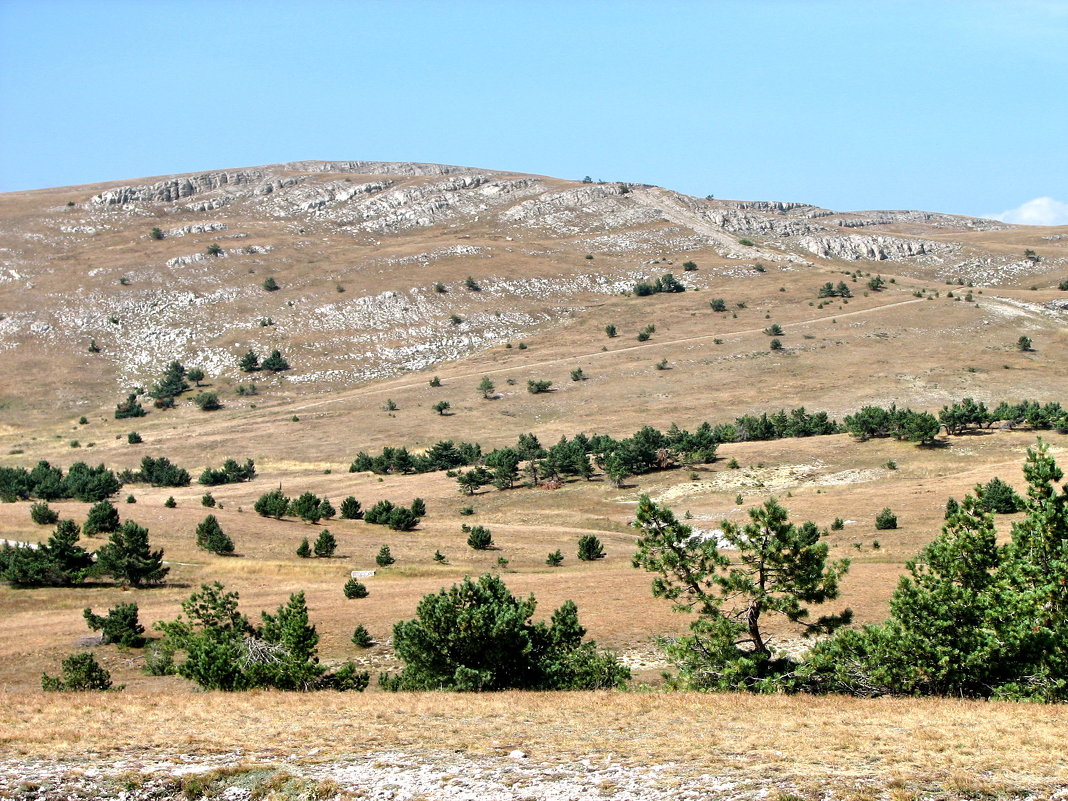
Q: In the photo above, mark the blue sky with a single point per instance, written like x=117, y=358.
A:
x=946, y=106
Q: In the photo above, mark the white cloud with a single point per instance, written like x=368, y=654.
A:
x=1040, y=211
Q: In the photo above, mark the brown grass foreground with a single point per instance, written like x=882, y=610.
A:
x=905, y=747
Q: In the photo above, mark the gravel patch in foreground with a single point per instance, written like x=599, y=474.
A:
x=394, y=775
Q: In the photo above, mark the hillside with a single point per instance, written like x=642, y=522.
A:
x=377, y=318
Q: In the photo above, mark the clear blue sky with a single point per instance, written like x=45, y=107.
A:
x=946, y=106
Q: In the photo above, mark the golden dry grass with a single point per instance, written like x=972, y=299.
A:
x=944, y=747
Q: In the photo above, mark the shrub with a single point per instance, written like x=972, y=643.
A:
x=439, y=557
x=480, y=538
x=998, y=497
x=610, y=331
x=350, y=509
x=440, y=288
x=80, y=673
x=838, y=524
x=775, y=344
x=211, y=537
x=590, y=548
x=774, y=330
x=170, y=503
x=159, y=472
x=885, y=520
x=718, y=305
x=689, y=266
x=401, y=518
x=133, y=438
x=230, y=473
x=354, y=589
x=129, y=408
x=578, y=375
x=223, y=651
x=119, y=626
x=43, y=515
x=471, y=284
x=275, y=363
x=379, y=513
x=307, y=507
x=476, y=636
x=103, y=518
x=1023, y=344
x=155, y=233
x=555, y=559
x=269, y=284
x=643, y=336
x=325, y=544
x=747, y=242
x=249, y=363
x=384, y=557
x=361, y=637
x=537, y=387
x=207, y=401
x=207, y=499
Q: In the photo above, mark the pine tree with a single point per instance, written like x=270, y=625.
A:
x=480, y=538
x=325, y=544
x=249, y=363
x=307, y=508
x=401, y=518
x=590, y=548
x=486, y=387
x=275, y=363
x=361, y=637
x=272, y=504
x=129, y=408
x=384, y=557
x=211, y=537
x=304, y=550
x=80, y=672
x=774, y=567
x=43, y=515
x=297, y=666
x=119, y=626
x=354, y=589
x=127, y=557
x=350, y=509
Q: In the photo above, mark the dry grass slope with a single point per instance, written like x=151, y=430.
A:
x=357, y=250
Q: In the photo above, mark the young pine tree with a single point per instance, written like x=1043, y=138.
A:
x=128, y=558
x=325, y=544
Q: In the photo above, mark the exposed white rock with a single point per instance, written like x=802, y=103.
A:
x=853, y=247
